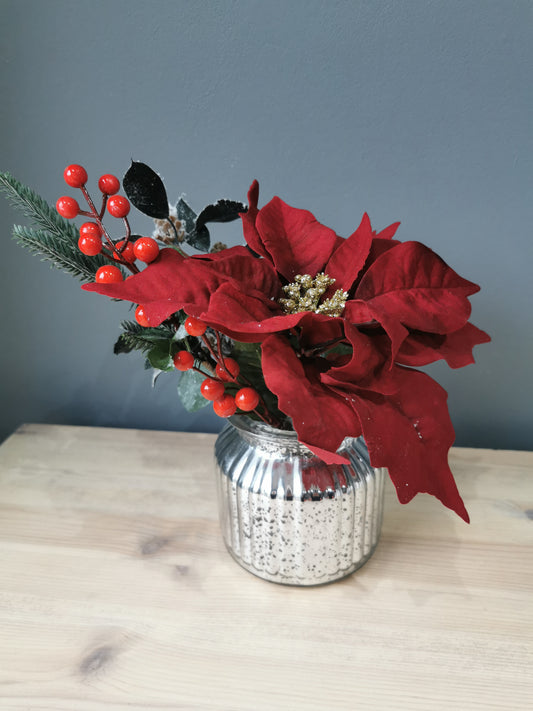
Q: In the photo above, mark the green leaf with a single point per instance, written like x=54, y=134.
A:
x=248, y=355
x=186, y=215
x=189, y=391
x=197, y=238
x=159, y=356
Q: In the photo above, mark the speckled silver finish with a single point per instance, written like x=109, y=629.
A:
x=288, y=517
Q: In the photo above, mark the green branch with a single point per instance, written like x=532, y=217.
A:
x=56, y=240
x=61, y=255
x=37, y=209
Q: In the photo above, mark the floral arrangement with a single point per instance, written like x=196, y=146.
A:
x=299, y=327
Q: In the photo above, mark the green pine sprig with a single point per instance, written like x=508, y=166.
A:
x=61, y=255
x=141, y=338
x=37, y=209
x=56, y=240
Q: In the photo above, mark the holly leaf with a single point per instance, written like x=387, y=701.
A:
x=186, y=215
x=189, y=391
x=159, y=356
x=197, y=237
x=221, y=211
x=146, y=191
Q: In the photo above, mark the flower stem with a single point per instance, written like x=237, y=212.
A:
x=322, y=347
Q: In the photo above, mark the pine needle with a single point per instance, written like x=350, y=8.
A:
x=56, y=240
x=136, y=337
x=37, y=209
x=61, y=255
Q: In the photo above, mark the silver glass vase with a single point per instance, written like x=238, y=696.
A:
x=288, y=517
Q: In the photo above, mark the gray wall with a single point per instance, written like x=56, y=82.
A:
x=418, y=111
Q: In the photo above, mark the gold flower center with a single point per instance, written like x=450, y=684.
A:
x=305, y=294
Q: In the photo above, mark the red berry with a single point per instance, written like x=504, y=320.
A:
x=195, y=326
x=109, y=184
x=233, y=368
x=118, y=206
x=67, y=207
x=90, y=229
x=225, y=407
x=146, y=249
x=140, y=316
x=183, y=360
x=212, y=389
x=108, y=274
x=125, y=254
x=90, y=245
x=247, y=399
x=75, y=175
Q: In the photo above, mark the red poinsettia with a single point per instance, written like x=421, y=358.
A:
x=303, y=290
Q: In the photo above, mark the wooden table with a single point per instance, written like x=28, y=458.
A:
x=117, y=591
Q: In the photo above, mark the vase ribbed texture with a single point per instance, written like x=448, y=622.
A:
x=288, y=517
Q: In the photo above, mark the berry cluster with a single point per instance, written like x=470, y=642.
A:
x=227, y=371
x=94, y=238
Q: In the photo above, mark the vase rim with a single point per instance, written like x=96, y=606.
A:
x=262, y=433
x=247, y=424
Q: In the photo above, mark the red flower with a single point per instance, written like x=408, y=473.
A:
x=396, y=304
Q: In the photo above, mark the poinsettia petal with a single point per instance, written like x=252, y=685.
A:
x=388, y=232
x=318, y=329
x=455, y=348
x=164, y=287
x=410, y=433
x=296, y=242
x=248, y=218
x=413, y=285
x=306, y=401
x=173, y=282
x=246, y=317
x=364, y=369
x=357, y=311
x=350, y=256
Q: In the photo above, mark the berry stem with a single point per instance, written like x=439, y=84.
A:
x=209, y=374
x=220, y=360
x=104, y=204
x=210, y=347
x=110, y=245
x=128, y=231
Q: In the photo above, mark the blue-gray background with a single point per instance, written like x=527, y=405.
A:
x=412, y=111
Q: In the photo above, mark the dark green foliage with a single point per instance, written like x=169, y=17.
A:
x=56, y=240
x=37, y=209
x=248, y=355
x=61, y=255
x=197, y=238
x=146, y=191
x=221, y=211
x=140, y=338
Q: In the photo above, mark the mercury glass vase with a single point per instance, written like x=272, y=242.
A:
x=288, y=517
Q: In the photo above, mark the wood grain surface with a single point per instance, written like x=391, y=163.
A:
x=116, y=590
